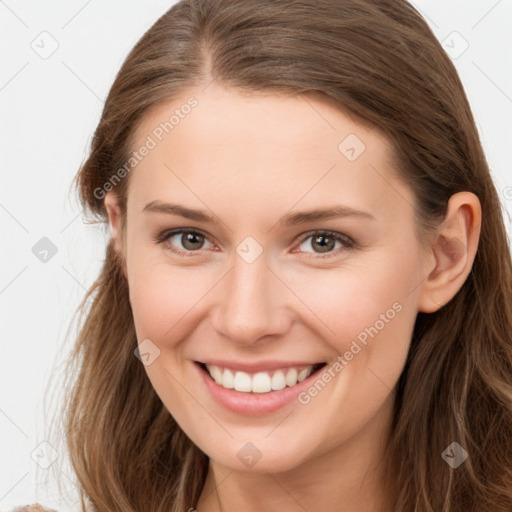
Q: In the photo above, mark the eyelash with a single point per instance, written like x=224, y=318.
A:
x=339, y=237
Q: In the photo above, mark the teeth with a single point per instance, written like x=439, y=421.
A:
x=261, y=382
x=291, y=377
x=278, y=380
x=303, y=374
x=243, y=382
x=227, y=379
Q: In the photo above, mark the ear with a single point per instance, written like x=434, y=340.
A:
x=115, y=222
x=453, y=252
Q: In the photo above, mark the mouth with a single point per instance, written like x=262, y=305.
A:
x=261, y=382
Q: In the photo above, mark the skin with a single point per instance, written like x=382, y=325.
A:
x=249, y=160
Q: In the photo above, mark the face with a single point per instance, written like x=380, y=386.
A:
x=257, y=288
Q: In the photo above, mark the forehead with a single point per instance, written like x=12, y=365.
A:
x=287, y=148
x=235, y=117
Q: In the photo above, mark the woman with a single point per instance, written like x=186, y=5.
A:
x=305, y=302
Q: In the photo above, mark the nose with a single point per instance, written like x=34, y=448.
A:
x=252, y=303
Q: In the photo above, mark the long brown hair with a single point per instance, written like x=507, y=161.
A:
x=380, y=62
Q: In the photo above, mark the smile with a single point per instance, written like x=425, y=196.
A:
x=248, y=389
x=262, y=381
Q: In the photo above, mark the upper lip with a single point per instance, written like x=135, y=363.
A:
x=260, y=366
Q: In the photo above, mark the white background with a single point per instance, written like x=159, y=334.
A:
x=49, y=110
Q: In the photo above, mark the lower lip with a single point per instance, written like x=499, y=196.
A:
x=254, y=404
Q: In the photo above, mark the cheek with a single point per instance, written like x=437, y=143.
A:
x=162, y=296
x=366, y=314
x=167, y=296
x=367, y=318
x=355, y=296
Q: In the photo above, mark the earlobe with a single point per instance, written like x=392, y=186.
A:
x=453, y=251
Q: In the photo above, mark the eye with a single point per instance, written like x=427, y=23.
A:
x=190, y=240
x=325, y=241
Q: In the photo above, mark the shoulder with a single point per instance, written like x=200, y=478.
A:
x=33, y=508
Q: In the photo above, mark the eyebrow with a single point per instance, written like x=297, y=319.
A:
x=291, y=219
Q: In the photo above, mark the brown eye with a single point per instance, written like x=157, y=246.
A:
x=183, y=242
x=192, y=241
x=325, y=243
